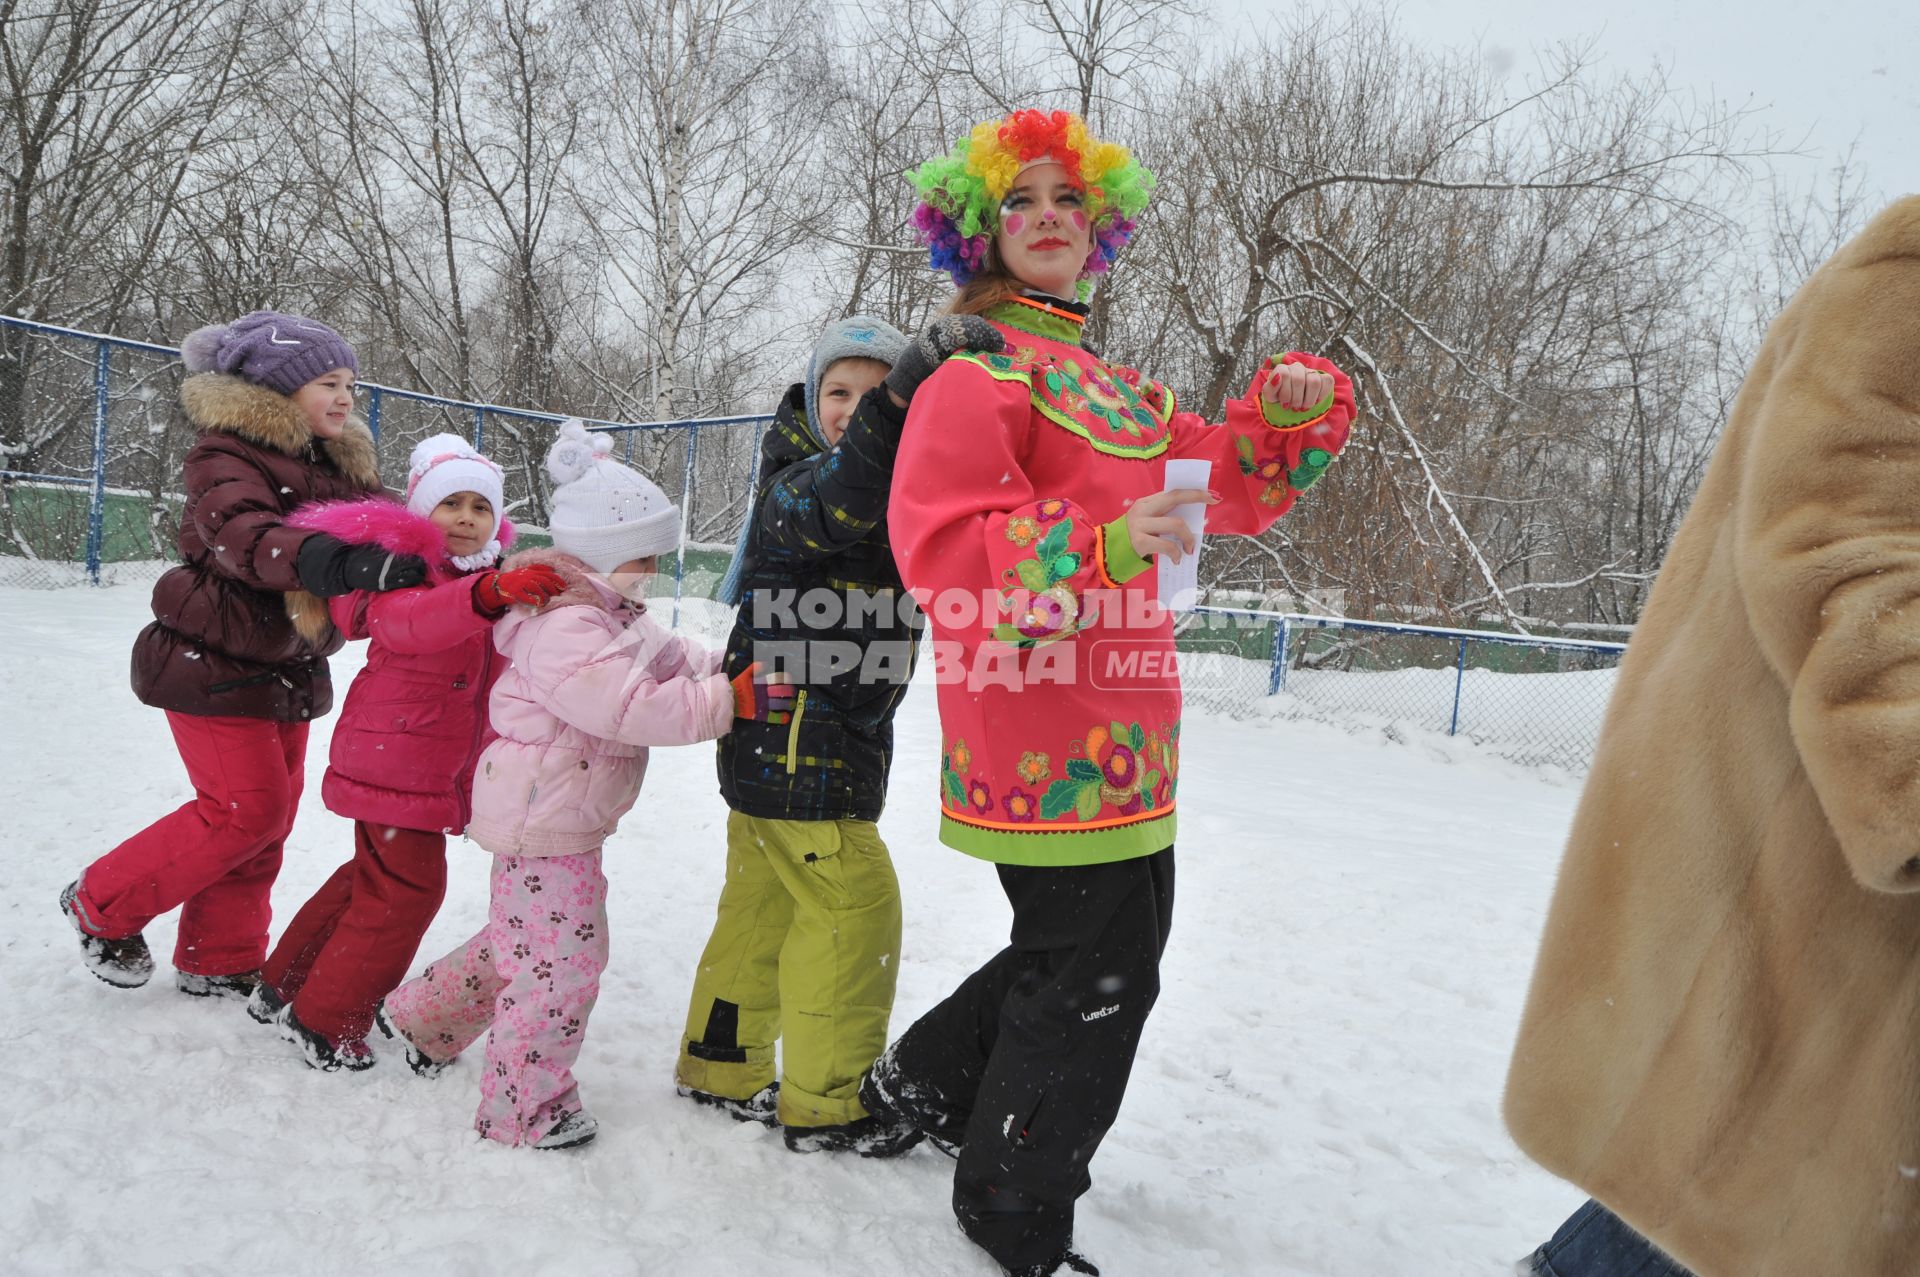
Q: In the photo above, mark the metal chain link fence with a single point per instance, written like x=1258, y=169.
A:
x=1533, y=700
x=91, y=444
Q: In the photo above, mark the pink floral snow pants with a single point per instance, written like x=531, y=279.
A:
x=532, y=974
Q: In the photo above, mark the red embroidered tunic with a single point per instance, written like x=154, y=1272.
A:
x=1059, y=695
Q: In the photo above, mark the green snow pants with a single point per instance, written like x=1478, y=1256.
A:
x=806, y=948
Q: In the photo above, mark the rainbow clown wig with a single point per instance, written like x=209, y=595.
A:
x=961, y=191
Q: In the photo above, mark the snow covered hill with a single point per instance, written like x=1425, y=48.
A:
x=1318, y=1091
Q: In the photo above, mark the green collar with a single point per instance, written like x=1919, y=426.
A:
x=1029, y=317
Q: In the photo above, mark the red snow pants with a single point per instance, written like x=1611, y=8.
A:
x=215, y=858
x=351, y=944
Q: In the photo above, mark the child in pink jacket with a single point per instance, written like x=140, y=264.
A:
x=593, y=682
x=401, y=765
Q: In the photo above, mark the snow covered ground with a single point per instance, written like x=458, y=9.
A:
x=1318, y=1091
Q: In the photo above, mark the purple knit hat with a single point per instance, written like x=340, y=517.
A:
x=281, y=352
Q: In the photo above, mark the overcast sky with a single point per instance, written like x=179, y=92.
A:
x=1826, y=74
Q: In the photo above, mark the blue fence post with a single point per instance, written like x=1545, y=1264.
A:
x=1459, y=678
x=97, y=503
x=686, y=513
x=373, y=413
x=1277, y=677
x=479, y=429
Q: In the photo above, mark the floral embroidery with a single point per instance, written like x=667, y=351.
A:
x=1313, y=464
x=980, y=796
x=1023, y=531
x=1038, y=605
x=1110, y=773
x=1157, y=398
x=1091, y=391
x=1115, y=770
x=1084, y=396
x=953, y=766
x=1274, y=474
x=1047, y=615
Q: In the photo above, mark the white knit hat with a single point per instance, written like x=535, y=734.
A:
x=445, y=464
x=604, y=513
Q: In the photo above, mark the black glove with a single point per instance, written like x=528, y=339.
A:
x=945, y=336
x=329, y=566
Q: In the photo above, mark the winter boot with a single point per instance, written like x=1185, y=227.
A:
x=875, y=1135
x=263, y=1005
x=571, y=1131
x=318, y=1052
x=1067, y=1261
x=417, y=1060
x=885, y=1093
x=239, y=985
x=763, y=1106
x=125, y=963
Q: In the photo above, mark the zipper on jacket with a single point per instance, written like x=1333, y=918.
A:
x=793, y=732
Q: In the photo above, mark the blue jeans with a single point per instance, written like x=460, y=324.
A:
x=1595, y=1242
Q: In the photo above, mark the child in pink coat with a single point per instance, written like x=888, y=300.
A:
x=593, y=682
x=401, y=765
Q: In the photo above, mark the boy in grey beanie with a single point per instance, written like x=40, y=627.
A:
x=805, y=944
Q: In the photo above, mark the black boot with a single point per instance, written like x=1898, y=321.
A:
x=875, y=1135
x=318, y=1052
x=239, y=985
x=1067, y=1261
x=417, y=1060
x=763, y=1106
x=125, y=963
x=576, y=1128
x=263, y=1004
x=886, y=1092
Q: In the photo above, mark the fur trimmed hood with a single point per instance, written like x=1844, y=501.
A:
x=585, y=587
x=386, y=523
x=233, y=405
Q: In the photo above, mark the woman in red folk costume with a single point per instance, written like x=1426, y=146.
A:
x=1027, y=507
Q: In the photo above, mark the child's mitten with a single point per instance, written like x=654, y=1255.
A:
x=531, y=586
x=760, y=700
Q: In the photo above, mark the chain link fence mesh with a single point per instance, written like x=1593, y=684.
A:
x=1531, y=700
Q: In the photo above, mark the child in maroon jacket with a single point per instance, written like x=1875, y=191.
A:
x=402, y=761
x=237, y=651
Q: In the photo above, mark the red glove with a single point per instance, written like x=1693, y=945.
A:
x=763, y=701
x=531, y=586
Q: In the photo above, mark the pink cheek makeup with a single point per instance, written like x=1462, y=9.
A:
x=1079, y=220
x=1014, y=223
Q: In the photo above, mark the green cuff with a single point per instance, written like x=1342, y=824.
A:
x=1118, y=559
x=1287, y=418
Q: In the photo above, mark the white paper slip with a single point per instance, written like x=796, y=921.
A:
x=1180, y=582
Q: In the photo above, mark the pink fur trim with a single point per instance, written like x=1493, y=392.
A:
x=386, y=523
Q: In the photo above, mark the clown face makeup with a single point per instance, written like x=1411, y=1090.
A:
x=1043, y=238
